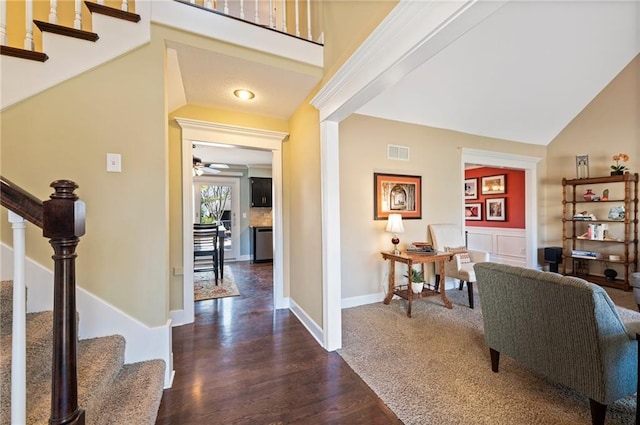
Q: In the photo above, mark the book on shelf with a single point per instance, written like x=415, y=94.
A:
x=578, y=253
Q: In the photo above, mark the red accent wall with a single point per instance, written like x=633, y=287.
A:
x=514, y=197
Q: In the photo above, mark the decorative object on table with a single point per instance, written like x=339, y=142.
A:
x=589, y=195
x=417, y=280
x=493, y=185
x=420, y=248
x=616, y=213
x=394, y=225
x=471, y=189
x=582, y=166
x=473, y=211
x=496, y=209
x=605, y=195
x=398, y=194
x=619, y=169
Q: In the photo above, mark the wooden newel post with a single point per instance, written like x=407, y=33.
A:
x=63, y=223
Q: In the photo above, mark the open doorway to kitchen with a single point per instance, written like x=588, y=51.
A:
x=195, y=133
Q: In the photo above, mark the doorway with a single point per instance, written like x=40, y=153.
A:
x=194, y=131
x=529, y=165
x=217, y=200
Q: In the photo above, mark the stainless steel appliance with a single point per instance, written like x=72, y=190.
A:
x=262, y=244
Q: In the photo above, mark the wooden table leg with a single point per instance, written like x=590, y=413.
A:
x=443, y=286
x=409, y=291
x=392, y=282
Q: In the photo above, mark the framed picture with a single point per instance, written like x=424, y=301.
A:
x=493, y=185
x=473, y=211
x=471, y=189
x=582, y=166
x=495, y=209
x=396, y=193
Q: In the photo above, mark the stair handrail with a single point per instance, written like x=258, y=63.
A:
x=62, y=219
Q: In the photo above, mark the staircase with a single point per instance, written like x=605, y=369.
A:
x=66, y=50
x=110, y=391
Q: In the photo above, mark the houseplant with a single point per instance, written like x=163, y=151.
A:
x=618, y=169
x=417, y=280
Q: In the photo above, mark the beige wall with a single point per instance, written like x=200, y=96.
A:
x=175, y=176
x=347, y=23
x=303, y=211
x=435, y=155
x=66, y=132
x=609, y=125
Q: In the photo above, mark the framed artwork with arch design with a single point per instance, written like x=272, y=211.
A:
x=398, y=194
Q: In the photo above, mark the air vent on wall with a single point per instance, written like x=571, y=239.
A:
x=398, y=152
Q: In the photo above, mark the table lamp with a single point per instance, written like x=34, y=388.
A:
x=394, y=225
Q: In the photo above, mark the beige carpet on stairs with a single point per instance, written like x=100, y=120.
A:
x=434, y=368
x=110, y=391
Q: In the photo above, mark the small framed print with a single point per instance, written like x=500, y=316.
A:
x=495, y=209
x=471, y=189
x=493, y=185
x=473, y=211
x=582, y=166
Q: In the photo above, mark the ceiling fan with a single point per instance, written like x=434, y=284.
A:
x=200, y=168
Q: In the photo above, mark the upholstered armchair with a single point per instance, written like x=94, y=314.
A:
x=448, y=237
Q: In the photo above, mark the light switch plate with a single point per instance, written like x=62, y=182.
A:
x=114, y=163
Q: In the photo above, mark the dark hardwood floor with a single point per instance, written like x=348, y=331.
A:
x=242, y=362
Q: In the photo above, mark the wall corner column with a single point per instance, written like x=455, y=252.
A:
x=331, y=255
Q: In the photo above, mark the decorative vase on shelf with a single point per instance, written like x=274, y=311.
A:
x=588, y=195
x=617, y=173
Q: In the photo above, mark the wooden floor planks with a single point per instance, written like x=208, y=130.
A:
x=243, y=363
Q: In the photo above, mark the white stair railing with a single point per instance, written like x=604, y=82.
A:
x=19, y=333
x=270, y=13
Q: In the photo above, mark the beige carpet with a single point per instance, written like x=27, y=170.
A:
x=205, y=288
x=435, y=369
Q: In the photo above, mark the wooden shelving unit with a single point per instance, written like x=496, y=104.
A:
x=622, y=235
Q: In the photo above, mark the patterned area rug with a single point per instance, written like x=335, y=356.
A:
x=205, y=288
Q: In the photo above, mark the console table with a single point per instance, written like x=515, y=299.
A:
x=410, y=260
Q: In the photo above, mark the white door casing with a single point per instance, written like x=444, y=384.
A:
x=204, y=131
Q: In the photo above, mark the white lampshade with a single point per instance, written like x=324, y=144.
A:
x=394, y=224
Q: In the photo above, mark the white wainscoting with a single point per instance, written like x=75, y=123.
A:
x=505, y=246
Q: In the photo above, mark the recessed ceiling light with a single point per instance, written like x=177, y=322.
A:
x=244, y=94
x=218, y=166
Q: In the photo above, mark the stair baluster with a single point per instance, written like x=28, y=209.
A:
x=19, y=331
x=64, y=217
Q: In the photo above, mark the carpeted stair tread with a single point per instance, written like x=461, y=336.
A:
x=99, y=362
x=6, y=306
x=38, y=328
x=134, y=397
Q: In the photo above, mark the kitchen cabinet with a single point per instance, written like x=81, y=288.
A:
x=260, y=192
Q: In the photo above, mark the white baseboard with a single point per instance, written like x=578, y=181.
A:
x=97, y=317
x=363, y=300
x=307, y=322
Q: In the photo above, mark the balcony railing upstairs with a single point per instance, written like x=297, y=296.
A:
x=299, y=18
x=18, y=19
